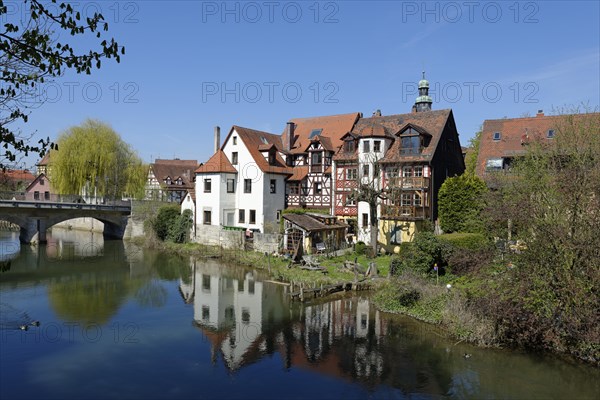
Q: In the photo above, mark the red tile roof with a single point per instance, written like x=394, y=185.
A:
x=216, y=164
x=16, y=175
x=333, y=127
x=431, y=122
x=253, y=140
x=45, y=160
x=515, y=133
x=174, y=169
x=300, y=173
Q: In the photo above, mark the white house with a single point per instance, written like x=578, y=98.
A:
x=243, y=184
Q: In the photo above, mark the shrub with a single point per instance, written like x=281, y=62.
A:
x=179, y=229
x=470, y=241
x=164, y=218
x=360, y=248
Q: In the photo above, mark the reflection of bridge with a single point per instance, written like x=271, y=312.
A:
x=36, y=216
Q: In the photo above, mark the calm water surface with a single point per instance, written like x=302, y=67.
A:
x=119, y=322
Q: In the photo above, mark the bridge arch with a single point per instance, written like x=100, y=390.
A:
x=33, y=219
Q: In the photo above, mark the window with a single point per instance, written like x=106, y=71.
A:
x=406, y=199
x=410, y=144
x=247, y=185
x=550, y=133
x=234, y=158
x=46, y=195
x=205, y=313
x=417, y=200
x=235, y=140
x=365, y=171
x=207, y=217
x=365, y=219
x=366, y=147
x=318, y=188
x=496, y=136
x=493, y=164
x=350, y=201
x=245, y=315
x=272, y=158
x=252, y=217
x=305, y=188
x=36, y=195
x=206, y=282
x=278, y=215
x=349, y=146
x=315, y=132
x=407, y=172
x=41, y=181
x=273, y=186
x=392, y=172
x=377, y=146
x=351, y=174
x=294, y=188
x=317, y=158
x=207, y=186
x=242, y=217
x=418, y=170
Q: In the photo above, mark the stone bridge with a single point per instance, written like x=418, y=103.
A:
x=34, y=217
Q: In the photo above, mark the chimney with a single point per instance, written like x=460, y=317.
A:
x=290, y=136
x=540, y=113
x=217, y=138
x=377, y=113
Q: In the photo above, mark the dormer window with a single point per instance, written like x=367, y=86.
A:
x=349, y=146
x=271, y=157
x=168, y=180
x=497, y=136
x=550, y=134
x=412, y=141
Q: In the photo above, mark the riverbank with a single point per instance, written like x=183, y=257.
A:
x=458, y=305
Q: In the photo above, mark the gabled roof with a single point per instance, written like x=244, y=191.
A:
x=174, y=169
x=430, y=122
x=323, y=140
x=37, y=179
x=372, y=128
x=254, y=141
x=515, y=133
x=216, y=164
x=333, y=126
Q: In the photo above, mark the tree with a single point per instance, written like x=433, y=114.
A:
x=555, y=204
x=93, y=156
x=34, y=50
x=473, y=153
x=460, y=203
x=370, y=191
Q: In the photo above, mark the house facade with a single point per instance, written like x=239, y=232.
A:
x=405, y=158
x=243, y=184
x=504, y=140
x=310, y=144
x=170, y=180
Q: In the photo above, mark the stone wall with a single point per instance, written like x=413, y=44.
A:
x=214, y=235
x=267, y=242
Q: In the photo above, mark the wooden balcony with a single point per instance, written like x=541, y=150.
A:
x=414, y=182
x=404, y=213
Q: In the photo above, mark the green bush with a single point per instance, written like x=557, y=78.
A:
x=164, y=219
x=179, y=230
x=360, y=248
x=469, y=241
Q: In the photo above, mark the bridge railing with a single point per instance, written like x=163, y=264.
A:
x=54, y=200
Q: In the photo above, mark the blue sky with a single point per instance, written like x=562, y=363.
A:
x=191, y=65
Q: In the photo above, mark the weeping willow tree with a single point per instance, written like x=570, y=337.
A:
x=92, y=157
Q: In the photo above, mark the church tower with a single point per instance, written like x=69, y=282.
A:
x=423, y=102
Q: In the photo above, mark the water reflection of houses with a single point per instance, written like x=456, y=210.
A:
x=340, y=338
x=245, y=319
x=231, y=308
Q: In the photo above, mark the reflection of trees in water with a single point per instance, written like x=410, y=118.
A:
x=90, y=298
x=152, y=294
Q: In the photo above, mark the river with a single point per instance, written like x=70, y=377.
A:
x=116, y=321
